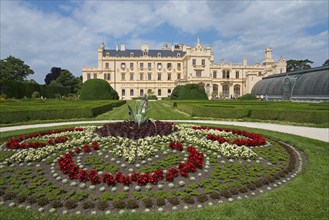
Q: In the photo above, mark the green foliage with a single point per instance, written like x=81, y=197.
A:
x=19, y=90
x=248, y=96
x=97, y=89
x=175, y=93
x=53, y=75
x=295, y=65
x=139, y=114
x=53, y=109
x=193, y=92
x=14, y=69
x=35, y=95
x=67, y=80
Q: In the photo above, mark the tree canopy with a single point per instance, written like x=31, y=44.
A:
x=15, y=69
x=295, y=65
x=53, y=75
x=63, y=77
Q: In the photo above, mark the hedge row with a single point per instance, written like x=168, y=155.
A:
x=19, y=90
x=299, y=116
x=17, y=116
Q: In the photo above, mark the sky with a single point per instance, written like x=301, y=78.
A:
x=66, y=34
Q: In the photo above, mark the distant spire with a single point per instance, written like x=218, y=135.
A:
x=198, y=41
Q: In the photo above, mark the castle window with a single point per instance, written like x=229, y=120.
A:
x=226, y=74
x=141, y=65
x=203, y=62
x=123, y=92
x=237, y=74
x=159, y=92
x=259, y=73
x=107, y=54
x=131, y=76
x=109, y=76
x=149, y=65
x=198, y=73
x=159, y=54
x=169, y=92
x=123, y=77
x=178, y=76
x=106, y=65
x=95, y=75
x=159, y=66
x=131, y=54
x=178, y=66
x=131, y=92
x=141, y=76
x=159, y=76
x=169, y=76
x=168, y=66
x=194, y=62
x=141, y=92
x=145, y=53
x=149, y=76
x=214, y=74
x=123, y=66
x=131, y=65
x=178, y=54
x=88, y=76
x=105, y=76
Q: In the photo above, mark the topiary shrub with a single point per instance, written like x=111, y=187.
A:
x=175, y=93
x=87, y=205
x=188, y=199
x=202, y=198
x=97, y=89
x=248, y=96
x=193, y=92
x=214, y=195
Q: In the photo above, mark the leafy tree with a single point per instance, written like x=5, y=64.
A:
x=15, y=69
x=53, y=75
x=68, y=80
x=295, y=65
x=326, y=63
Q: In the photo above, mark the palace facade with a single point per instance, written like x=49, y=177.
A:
x=134, y=73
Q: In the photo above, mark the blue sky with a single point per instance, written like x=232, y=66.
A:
x=67, y=34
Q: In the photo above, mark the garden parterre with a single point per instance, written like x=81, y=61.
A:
x=80, y=171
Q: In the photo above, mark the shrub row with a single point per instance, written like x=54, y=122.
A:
x=85, y=112
x=19, y=90
x=299, y=116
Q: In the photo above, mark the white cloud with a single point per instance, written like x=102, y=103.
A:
x=69, y=37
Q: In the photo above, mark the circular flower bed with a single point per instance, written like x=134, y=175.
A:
x=120, y=167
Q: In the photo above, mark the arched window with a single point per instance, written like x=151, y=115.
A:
x=131, y=92
x=159, y=92
x=123, y=92
x=169, y=92
x=236, y=91
x=141, y=92
x=226, y=91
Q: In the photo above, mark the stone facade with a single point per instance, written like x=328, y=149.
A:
x=134, y=73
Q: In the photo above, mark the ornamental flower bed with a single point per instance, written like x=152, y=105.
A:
x=159, y=167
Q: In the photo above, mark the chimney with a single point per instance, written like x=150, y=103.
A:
x=116, y=47
x=123, y=47
x=172, y=47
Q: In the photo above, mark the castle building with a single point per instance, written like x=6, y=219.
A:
x=134, y=73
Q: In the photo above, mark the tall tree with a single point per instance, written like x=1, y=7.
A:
x=295, y=65
x=54, y=74
x=13, y=68
x=326, y=63
x=67, y=79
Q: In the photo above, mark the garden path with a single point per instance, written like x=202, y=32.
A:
x=310, y=132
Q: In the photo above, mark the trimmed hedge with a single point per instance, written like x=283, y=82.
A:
x=175, y=93
x=64, y=113
x=19, y=90
x=193, y=92
x=281, y=111
x=97, y=89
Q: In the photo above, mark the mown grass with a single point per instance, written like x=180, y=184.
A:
x=306, y=197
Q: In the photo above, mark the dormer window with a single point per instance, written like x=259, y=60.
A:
x=159, y=66
x=123, y=66
x=131, y=54
x=159, y=54
x=178, y=55
x=107, y=54
x=145, y=53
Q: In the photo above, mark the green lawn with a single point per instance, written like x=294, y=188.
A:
x=306, y=197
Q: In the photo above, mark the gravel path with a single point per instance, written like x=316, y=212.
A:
x=310, y=132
